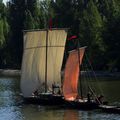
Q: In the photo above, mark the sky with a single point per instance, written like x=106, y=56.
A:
x=5, y=1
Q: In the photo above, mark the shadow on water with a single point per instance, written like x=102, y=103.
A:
x=12, y=107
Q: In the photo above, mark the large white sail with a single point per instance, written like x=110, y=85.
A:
x=34, y=59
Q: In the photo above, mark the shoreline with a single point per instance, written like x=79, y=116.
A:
x=10, y=72
x=102, y=73
x=16, y=72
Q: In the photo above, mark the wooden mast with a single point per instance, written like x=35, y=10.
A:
x=46, y=61
x=81, y=92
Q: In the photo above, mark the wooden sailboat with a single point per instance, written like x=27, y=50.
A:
x=41, y=65
x=72, y=78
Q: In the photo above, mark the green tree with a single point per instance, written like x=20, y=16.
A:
x=16, y=22
x=109, y=10
x=112, y=41
x=95, y=22
x=4, y=29
x=91, y=26
x=2, y=37
x=32, y=13
x=43, y=7
x=22, y=15
x=29, y=21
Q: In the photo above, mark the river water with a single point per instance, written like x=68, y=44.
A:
x=12, y=108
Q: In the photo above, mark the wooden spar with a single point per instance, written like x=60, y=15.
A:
x=94, y=95
x=31, y=30
x=46, y=61
x=81, y=93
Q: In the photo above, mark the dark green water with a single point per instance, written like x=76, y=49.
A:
x=11, y=107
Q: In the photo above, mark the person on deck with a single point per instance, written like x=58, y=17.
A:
x=88, y=97
x=35, y=93
x=54, y=86
x=99, y=99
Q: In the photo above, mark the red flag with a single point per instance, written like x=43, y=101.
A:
x=50, y=24
x=72, y=37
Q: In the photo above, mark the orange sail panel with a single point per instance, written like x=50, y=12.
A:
x=70, y=84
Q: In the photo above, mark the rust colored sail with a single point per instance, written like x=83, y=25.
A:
x=70, y=84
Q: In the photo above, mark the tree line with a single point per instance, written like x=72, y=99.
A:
x=96, y=23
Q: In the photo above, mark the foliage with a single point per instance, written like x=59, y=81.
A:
x=4, y=27
x=95, y=22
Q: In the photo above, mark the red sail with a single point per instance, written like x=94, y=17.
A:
x=70, y=84
x=50, y=24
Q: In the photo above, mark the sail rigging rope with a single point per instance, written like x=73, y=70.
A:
x=94, y=74
x=87, y=77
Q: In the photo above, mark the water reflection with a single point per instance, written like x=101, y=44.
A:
x=37, y=112
x=10, y=113
x=11, y=107
x=89, y=115
x=9, y=91
x=71, y=115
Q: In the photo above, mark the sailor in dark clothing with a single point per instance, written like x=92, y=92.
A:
x=54, y=87
x=99, y=99
x=35, y=93
x=59, y=91
x=88, y=97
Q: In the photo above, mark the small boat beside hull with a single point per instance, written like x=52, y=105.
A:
x=44, y=99
x=110, y=109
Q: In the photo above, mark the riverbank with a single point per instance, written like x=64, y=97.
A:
x=9, y=72
x=101, y=73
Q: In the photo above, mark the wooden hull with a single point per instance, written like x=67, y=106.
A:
x=44, y=99
x=110, y=109
x=81, y=105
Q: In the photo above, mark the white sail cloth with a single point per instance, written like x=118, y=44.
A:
x=34, y=59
